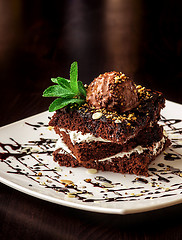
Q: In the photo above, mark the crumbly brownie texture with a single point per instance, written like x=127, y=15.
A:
x=118, y=128
x=92, y=151
x=137, y=163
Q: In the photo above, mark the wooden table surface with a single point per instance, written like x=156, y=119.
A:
x=39, y=40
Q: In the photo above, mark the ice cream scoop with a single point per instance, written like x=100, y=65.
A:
x=112, y=91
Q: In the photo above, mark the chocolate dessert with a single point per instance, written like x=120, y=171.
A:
x=113, y=91
x=116, y=129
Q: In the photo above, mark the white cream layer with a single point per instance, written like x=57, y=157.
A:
x=78, y=137
x=155, y=148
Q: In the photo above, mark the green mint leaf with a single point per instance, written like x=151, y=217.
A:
x=82, y=89
x=58, y=91
x=74, y=77
x=69, y=92
x=64, y=83
x=54, y=80
x=62, y=102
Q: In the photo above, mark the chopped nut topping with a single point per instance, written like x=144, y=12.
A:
x=97, y=115
x=50, y=128
x=67, y=182
x=117, y=121
x=107, y=185
x=70, y=195
x=92, y=171
x=88, y=180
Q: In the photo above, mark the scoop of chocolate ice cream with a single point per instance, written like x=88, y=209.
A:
x=113, y=91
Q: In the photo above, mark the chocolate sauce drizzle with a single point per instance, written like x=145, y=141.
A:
x=38, y=125
x=18, y=157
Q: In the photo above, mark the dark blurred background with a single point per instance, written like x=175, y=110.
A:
x=40, y=39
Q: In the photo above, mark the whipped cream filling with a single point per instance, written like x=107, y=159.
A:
x=78, y=137
x=60, y=144
x=155, y=148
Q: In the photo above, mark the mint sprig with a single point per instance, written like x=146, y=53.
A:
x=69, y=92
x=74, y=77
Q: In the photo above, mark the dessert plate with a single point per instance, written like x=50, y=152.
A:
x=27, y=165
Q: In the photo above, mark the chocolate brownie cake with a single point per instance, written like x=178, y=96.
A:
x=116, y=129
x=87, y=147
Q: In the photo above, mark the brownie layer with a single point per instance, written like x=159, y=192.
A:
x=134, y=163
x=118, y=128
x=94, y=150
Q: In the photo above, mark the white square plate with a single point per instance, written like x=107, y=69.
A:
x=27, y=165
